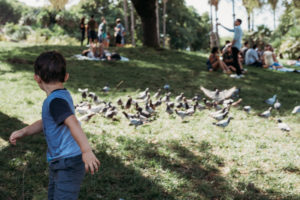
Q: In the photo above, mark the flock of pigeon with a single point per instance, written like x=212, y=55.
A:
x=144, y=108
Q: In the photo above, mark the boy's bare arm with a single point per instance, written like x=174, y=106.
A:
x=32, y=129
x=88, y=157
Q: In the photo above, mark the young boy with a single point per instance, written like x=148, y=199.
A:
x=69, y=152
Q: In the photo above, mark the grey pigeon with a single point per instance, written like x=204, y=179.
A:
x=223, y=123
x=169, y=110
x=105, y=89
x=218, y=95
x=179, y=97
x=220, y=116
x=157, y=94
x=267, y=113
x=143, y=95
x=271, y=100
x=296, y=110
x=86, y=117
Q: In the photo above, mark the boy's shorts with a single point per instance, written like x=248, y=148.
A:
x=65, y=177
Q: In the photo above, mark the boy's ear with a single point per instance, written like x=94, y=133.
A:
x=37, y=78
x=66, y=77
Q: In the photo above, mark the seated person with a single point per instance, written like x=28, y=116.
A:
x=215, y=63
x=252, y=57
x=270, y=60
x=97, y=51
x=228, y=58
x=244, y=51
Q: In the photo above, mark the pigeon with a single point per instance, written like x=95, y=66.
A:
x=217, y=95
x=227, y=102
x=179, y=105
x=267, y=113
x=110, y=113
x=166, y=86
x=97, y=100
x=143, y=94
x=170, y=104
x=132, y=120
x=192, y=110
x=91, y=95
x=181, y=114
x=82, y=104
x=271, y=100
x=98, y=108
x=236, y=103
x=83, y=92
x=158, y=102
x=283, y=126
x=220, y=116
x=197, y=97
x=166, y=98
x=149, y=109
x=223, y=123
x=105, y=89
x=247, y=109
x=86, y=117
x=143, y=113
x=169, y=110
x=157, y=94
x=83, y=110
x=296, y=110
x=179, y=98
x=277, y=105
x=128, y=103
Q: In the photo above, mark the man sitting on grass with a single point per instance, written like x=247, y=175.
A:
x=252, y=57
x=214, y=62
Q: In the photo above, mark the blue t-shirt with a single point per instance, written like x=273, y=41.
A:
x=57, y=107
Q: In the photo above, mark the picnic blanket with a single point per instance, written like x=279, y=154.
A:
x=81, y=57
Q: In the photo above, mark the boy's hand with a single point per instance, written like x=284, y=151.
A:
x=15, y=136
x=91, y=162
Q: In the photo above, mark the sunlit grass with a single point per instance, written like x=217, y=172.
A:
x=165, y=159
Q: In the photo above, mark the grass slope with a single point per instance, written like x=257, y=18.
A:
x=166, y=159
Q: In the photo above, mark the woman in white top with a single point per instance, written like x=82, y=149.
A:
x=270, y=60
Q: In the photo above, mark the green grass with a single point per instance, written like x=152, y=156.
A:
x=166, y=159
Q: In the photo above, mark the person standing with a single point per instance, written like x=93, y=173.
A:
x=102, y=31
x=119, y=33
x=82, y=28
x=236, y=46
x=91, y=29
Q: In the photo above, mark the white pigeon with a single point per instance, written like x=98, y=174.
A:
x=143, y=94
x=296, y=110
x=98, y=108
x=267, y=113
x=179, y=97
x=277, y=105
x=86, y=117
x=223, y=123
x=157, y=94
x=83, y=110
x=283, y=126
x=220, y=116
x=181, y=114
x=226, y=102
x=218, y=95
x=247, y=109
x=271, y=100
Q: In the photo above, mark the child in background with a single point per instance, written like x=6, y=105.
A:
x=69, y=153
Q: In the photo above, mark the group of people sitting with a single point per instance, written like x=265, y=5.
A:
x=252, y=56
x=97, y=50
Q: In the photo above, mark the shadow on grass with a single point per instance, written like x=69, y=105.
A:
x=153, y=69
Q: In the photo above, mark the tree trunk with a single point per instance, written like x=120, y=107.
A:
x=157, y=19
x=274, y=19
x=217, y=29
x=132, y=25
x=125, y=5
x=211, y=28
x=252, y=20
x=164, y=21
x=249, y=21
x=146, y=10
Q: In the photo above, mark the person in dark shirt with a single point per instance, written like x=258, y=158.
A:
x=91, y=29
x=82, y=28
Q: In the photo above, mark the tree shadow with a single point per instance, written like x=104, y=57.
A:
x=24, y=171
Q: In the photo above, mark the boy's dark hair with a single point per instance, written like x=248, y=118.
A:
x=254, y=46
x=214, y=50
x=50, y=67
x=239, y=20
x=227, y=42
x=246, y=43
x=92, y=16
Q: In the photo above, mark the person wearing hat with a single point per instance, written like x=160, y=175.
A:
x=119, y=33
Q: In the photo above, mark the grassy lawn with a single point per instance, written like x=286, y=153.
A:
x=165, y=159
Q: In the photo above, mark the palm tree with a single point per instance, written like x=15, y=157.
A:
x=250, y=5
x=58, y=4
x=214, y=3
x=273, y=4
x=157, y=19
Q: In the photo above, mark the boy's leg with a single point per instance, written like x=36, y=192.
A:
x=68, y=178
x=51, y=186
